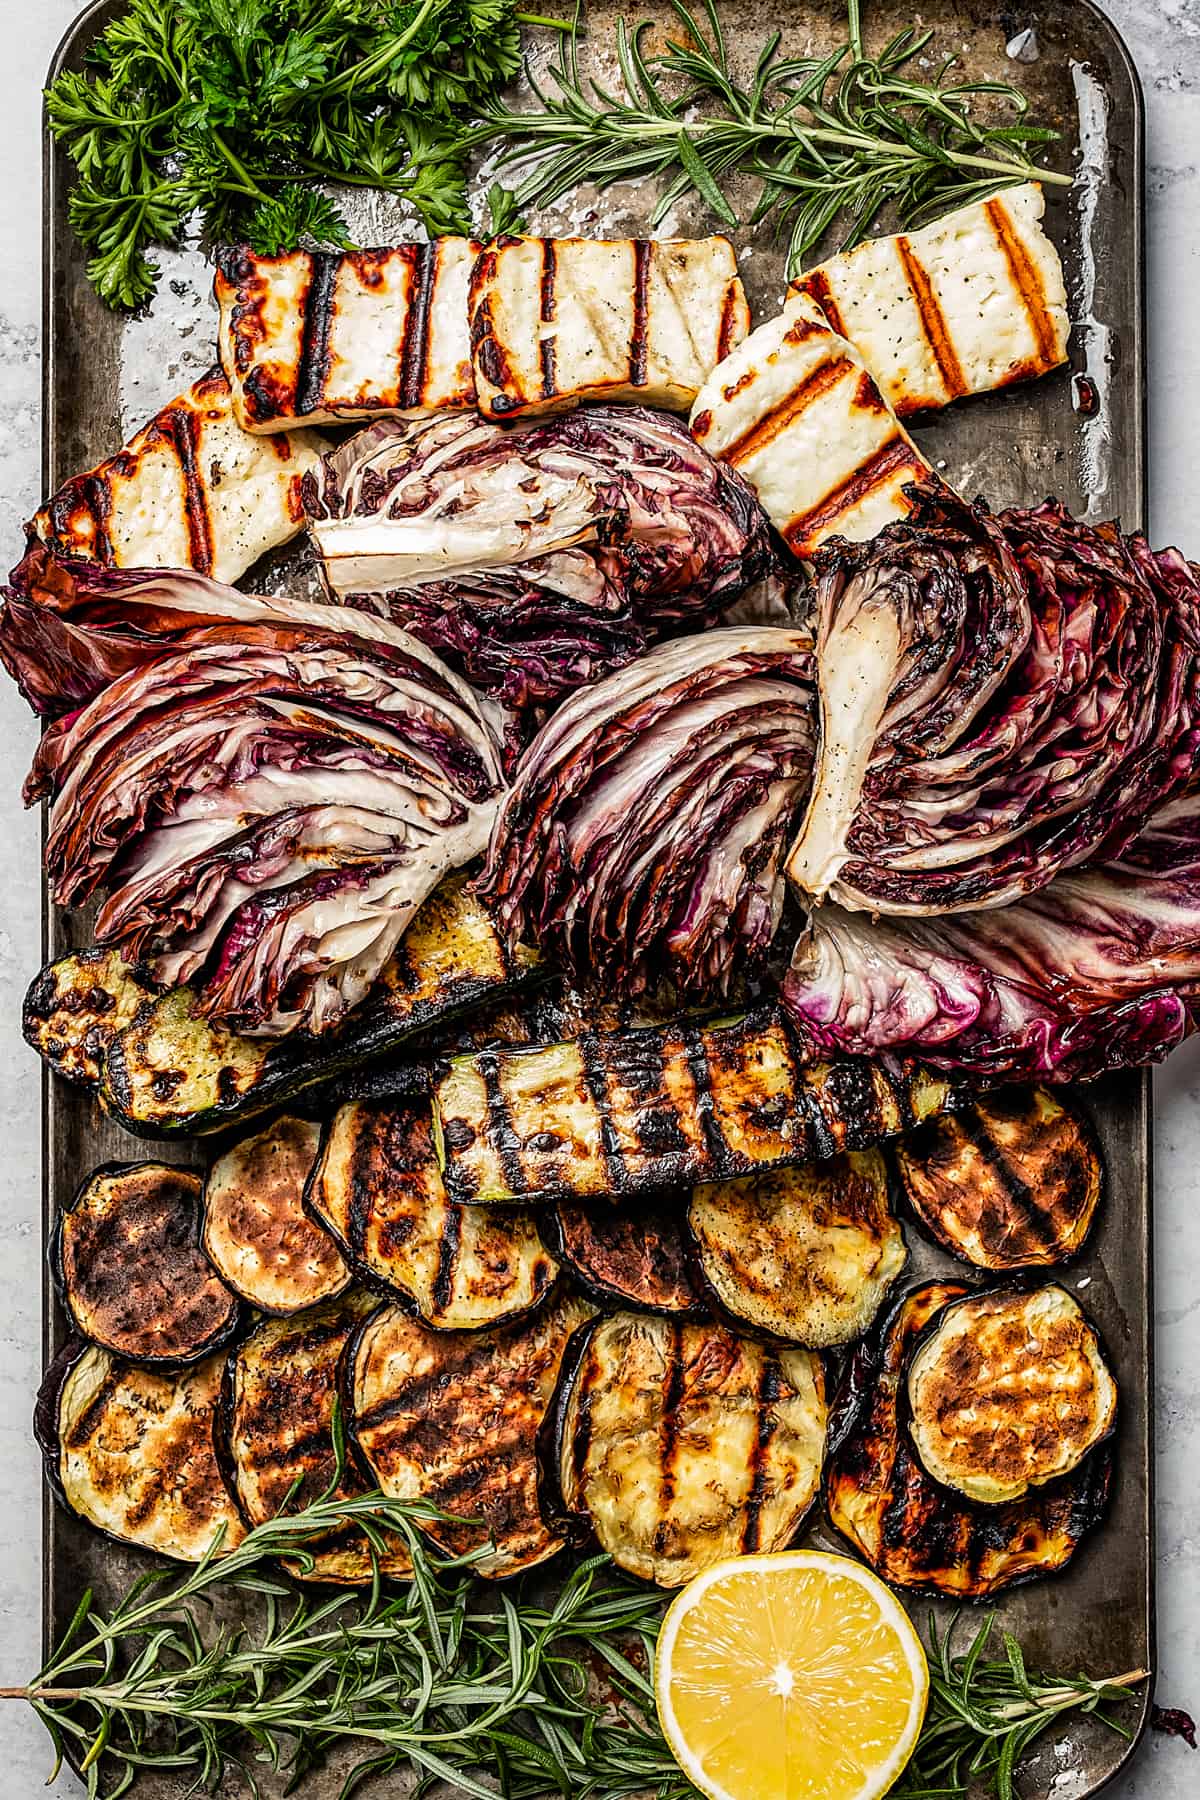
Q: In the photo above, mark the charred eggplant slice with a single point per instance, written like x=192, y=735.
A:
x=628, y=1112
x=1009, y=1391
x=807, y=1254
x=1012, y=1182
x=277, y=1409
x=133, y=1450
x=683, y=1444
x=76, y=1006
x=134, y=1277
x=635, y=1255
x=172, y=1072
x=257, y=1234
x=454, y=1417
x=912, y=1531
x=377, y=1190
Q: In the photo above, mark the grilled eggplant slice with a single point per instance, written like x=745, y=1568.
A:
x=453, y=1418
x=133, y=1450
x=134, y=1277
x=684, y=1444
x=804, y=1254
x=628, y=1112
x=76, y=1006
x=174, y=1073
x=635, y=1255
x=913, y=1532
x=277, y=1409
x=377, y=1190
x=257, y=1234
x=1012, y=1182
x=1009, y=1391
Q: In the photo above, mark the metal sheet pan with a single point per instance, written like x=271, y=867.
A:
x=102, y=375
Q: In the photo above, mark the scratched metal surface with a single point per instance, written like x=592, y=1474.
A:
x=103, y=376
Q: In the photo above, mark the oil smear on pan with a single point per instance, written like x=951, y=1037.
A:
x=1091, y=386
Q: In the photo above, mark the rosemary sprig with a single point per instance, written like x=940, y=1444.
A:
x=825, y=137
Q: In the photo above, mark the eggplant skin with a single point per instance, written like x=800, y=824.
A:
x=683, y=1444
x=1007, y=1391
x=912, y=1531
x=76, y=1006
x=376, y=1189
x=132, y=1273
x=276, y=1434
x=454, y=1418
x=133, y=1451
x=804, y=1254
x=257, y=1234
x=634, y=1255
x=1012, y=1182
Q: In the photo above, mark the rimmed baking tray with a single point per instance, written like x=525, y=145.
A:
x=1014, y=447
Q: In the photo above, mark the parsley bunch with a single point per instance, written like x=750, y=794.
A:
x=241, y=109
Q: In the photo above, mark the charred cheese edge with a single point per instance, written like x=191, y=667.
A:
x=795, y=410
x=133, y=1275
x=314, y=336
x=971, y=303
x=1013, y=1182
x=558, y=320
x=684, y=1444
x=807, y=1254
x=133, y=1451
x=1009, y=1391
x=377, y=1190
x=257, y=1234
x=633, y=1255
x=453, y=1418
x=277, y=1414
x=190, y=490
x=624, y=1113
x=913, y=1532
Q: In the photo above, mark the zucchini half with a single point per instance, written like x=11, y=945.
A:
x=805, y=1254
x=453, y=1418
x=133, y=1275
x=682, y=1444
x=633, y=1255
x=133, y=1450
x=168, y=1071
x=377, y=1191
x=257, y=1234
x=628, y=1112
x=1011, y=1182
x=277, y=1434
x=912, y=1531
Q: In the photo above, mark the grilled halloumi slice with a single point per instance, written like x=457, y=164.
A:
x=314, y=336
x=190, y=490
x=971, y=303
x=794, y=410
x=559, y=320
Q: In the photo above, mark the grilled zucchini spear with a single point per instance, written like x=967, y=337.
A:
x=913, y=1531
x=257, y=1234
x=77, y=1005
x=625, y=1112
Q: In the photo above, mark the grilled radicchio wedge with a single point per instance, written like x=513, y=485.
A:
x=267, y=805
x=643, y=835
x=536, y=556
x=1001, y=698
x=1099, y=971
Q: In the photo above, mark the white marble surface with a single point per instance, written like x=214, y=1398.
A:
x=1165, y=38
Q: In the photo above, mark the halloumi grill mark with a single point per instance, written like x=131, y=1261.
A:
x=911, y=1530
x=190, y=490
x=558, y=320
x=313, y=336
x=795, y=410
x=683, y=1444
x=973, y=302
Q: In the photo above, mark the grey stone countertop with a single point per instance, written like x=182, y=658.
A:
x=1164, y=36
